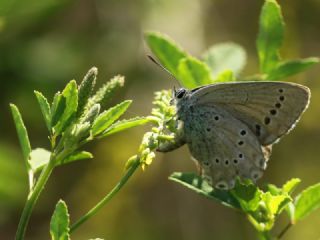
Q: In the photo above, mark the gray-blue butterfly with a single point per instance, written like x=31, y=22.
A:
x=230, y=127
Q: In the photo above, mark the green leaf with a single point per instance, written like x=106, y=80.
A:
x=269, y=207
x=275, y=204
x=77, y=156
x=196, y=184
x=166, y=50
x=307, y=202
x=105, y=119
x=286, y=189
x=290, y=185
x=225, y=56
x=248, y=195
x=57, y=108
x=193, y=73
x=91, y=113
x=22, y=133
x=85, y=89
x=126, y=124
x=273, y=189
x=270, y=37
x=59, y=225
x=70, y=93
x=78, y=132
x=45, y=109
x=39, y=157
x=106, y=92
x=291, y=67
x=225, y=76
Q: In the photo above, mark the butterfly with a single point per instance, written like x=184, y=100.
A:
x=230, y=127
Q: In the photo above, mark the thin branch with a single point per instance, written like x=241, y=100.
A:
x=286, y=228
x=107, y=198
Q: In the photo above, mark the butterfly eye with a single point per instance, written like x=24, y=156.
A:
x=180, y=93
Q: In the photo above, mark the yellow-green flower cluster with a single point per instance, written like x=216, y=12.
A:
x=163, y=115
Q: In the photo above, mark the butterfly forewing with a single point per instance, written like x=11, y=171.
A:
x=269, y=109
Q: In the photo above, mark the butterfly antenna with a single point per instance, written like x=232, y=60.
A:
x=162, y=67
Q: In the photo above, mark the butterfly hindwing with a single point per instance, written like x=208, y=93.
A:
x=224, y=146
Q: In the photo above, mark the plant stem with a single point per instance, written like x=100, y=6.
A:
x=265, y=235
x=32, y=199
x=108, y=197
x=31, y=180
x=34, y=194
x=286, y=228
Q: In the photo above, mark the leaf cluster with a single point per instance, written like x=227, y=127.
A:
x=262, y=207
x=76, y=116
x=224, y=62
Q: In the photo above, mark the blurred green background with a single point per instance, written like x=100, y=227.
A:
x=44, y=44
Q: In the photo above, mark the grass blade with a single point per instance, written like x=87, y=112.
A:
x=22, y=134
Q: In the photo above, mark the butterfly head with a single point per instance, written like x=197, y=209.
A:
x=180, y=96
x=179, y=93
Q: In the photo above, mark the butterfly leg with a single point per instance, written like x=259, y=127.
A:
x=198, y=166
x=178, y=141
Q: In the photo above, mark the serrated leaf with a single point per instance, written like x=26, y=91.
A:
x=45, y=109
x=275, y=204
x=59, y=225
x=307, y=202
x=193, y=73
x=57, y=108
x=81, y=131
x=286, y=189
x=106, y=92
x=248, y=195
x=270, y=37
x=77, y=156
x=225, y=56
x=91, y=114
x=125, y=124
x=273, y=189
x=86, y=88
x=70, y=93
x=22, y=133
x=195, y=183
x=290, y=185
x=105, y=119
x=291, y=67
x=166, y=50
x=39, y=157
